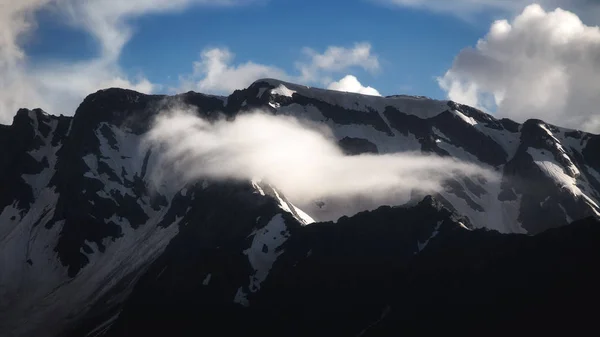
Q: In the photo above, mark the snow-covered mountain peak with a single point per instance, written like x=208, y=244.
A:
x=109, y=124
x=414, y=105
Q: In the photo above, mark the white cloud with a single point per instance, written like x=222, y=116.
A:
x=336, y=59
x=215, y=72
x=351, y=84
x=16, y=19
x=541, y=65
x=56, y=87
x=107, y=19
x=304, y=163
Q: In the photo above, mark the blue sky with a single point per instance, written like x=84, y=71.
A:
x=413, y=46
x=58, y=51
x=410, y=51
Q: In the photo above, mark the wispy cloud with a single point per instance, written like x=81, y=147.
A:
x=107, y=20
x=16, y=20
x=336, y=59
x=302, y=161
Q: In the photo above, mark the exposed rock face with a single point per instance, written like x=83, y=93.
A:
x=86, y=233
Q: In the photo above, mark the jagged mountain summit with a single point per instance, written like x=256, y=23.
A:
x=89, y=241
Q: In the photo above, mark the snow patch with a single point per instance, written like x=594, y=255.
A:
x=255, y=184
x=544, y=201
x=501, y=216
x=103, y=328
x=569, y=219
x=287, y=206
x=8, y=217
x=261, y=91
x=282, y=90
x=306, y=219
x=574, y=171
x=421, y=246
x=241, y=297
x=463, y=226
x=593, y=173
x=264, y=250
x=466, y=119
x=206, y=279
x=546, y=162
x=282, y=204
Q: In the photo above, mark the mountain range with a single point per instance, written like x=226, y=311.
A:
x=92, y=245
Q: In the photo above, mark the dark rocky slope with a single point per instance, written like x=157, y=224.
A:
x=388, y=272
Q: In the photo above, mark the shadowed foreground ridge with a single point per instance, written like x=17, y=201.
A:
x=380, y=273
x=92, y=248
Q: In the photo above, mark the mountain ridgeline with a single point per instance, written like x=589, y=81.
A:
x=92, y=246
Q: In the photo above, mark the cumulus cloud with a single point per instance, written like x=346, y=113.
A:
x=296, y=157
x=540, y=65
x=351, y=84
x=59, y=87
x=216, y=73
